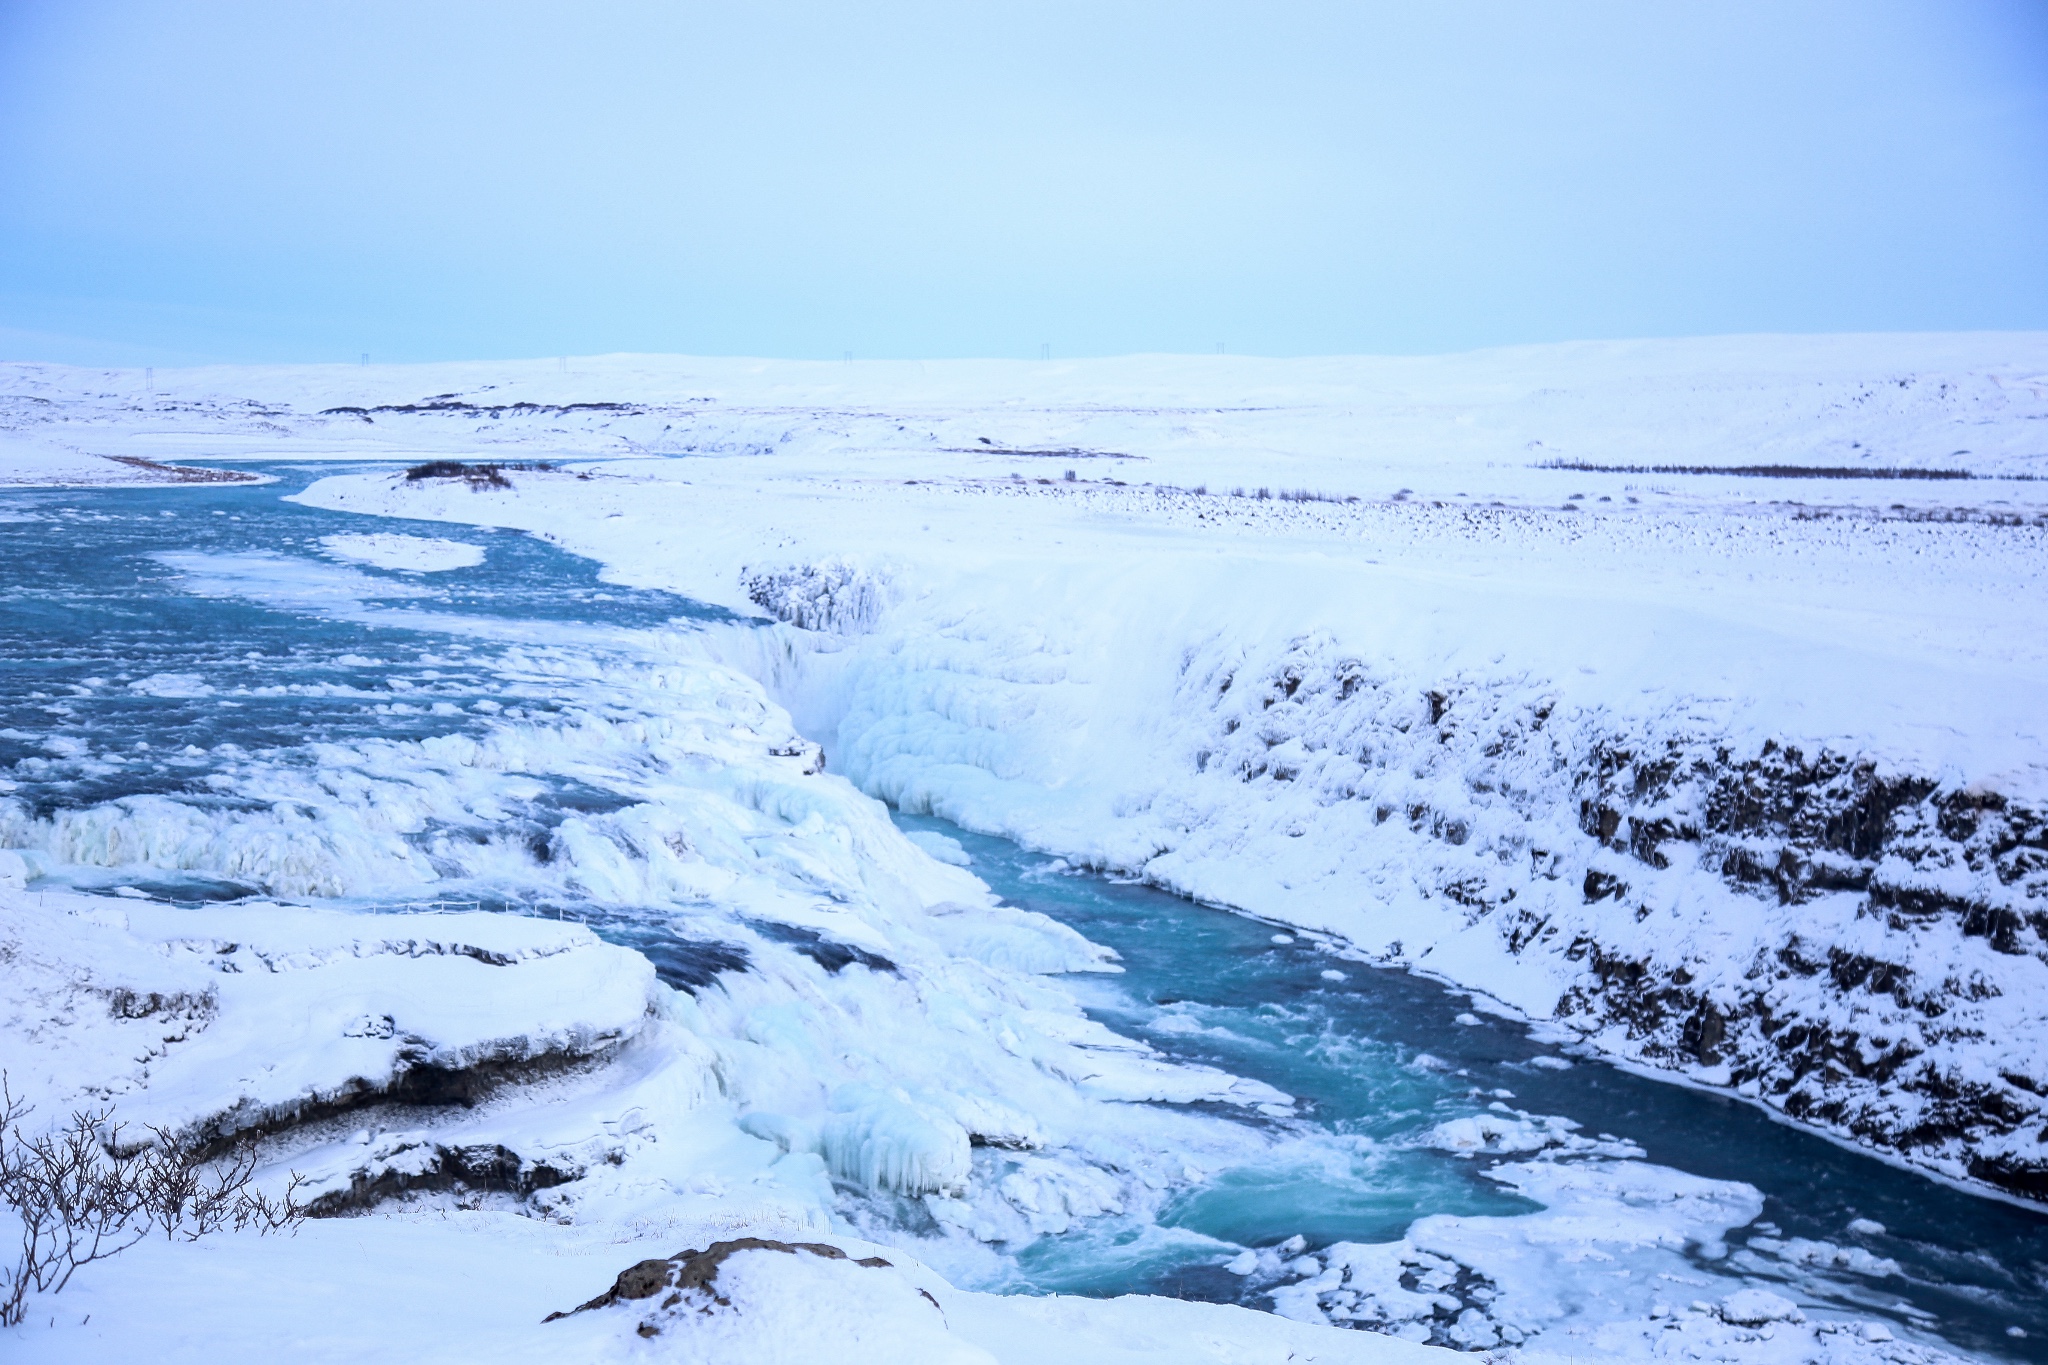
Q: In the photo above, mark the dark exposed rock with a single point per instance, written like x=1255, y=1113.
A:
x=1861, y=1002
x=415, y=1082
x=485, y=1168
x=1794, y=827
x=477, y=476
x=692, y=1276
x=689, y=964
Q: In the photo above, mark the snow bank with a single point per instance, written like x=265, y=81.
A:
x=212, y=1023
x=451, y=1289
x=32, y=464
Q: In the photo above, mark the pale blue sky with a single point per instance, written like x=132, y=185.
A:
x=245, y=180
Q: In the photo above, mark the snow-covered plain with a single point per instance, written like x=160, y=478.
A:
x=1734, y=776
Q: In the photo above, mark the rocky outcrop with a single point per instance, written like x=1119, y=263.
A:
x=689, y=1279
x=212, y=1027
x=1858, y=947
x=421, y=1167
x=1877, y=1010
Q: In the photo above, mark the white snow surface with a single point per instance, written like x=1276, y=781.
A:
x=210, y=1023
x=415, y=554
x=458, y=1288
x=1365, y=718
x=27, y=463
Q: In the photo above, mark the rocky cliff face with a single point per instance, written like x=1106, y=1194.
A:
x=1898, y=999
x=1859, y=948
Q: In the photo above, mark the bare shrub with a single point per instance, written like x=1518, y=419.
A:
x=80, y=1195
x=477, y=476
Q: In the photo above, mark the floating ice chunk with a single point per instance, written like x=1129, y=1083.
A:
x=1078, y=1030
x=939, y=846
x=415, y=554
x=281, y=581
x=1120, y=1076
x=1332, y=974
x=1469, y=1020
x=1755, y=1307
x=1474, y=1331
x=1866, y=1227
x=1550, y=1063
x=172, y=685
x=1283, y=939
x=1298, y=1302
x=1053, y=1195
x=1491, y=1132
x=1244, y=1263
x=1805, y=1251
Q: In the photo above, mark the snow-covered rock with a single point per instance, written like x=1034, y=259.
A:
x=215, y=1023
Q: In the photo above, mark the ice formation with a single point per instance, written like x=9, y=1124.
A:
x=416, y=554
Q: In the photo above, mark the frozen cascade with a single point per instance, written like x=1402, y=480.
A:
x=879, y=1139
x=887, y=1141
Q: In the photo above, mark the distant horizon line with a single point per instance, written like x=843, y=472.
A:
x=368, y=360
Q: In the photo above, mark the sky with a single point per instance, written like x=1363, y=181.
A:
x=239, y=180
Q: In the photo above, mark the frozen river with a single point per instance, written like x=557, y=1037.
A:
x=206, y=693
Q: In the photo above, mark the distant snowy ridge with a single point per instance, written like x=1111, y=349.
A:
x=1906, y=400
